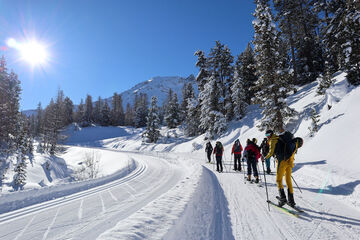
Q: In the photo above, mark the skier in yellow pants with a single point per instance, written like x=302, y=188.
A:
x=284, y=164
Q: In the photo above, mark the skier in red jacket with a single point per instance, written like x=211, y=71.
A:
x=236, y=150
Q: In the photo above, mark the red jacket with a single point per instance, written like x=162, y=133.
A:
x=222, y=150
x=232, y=150
x=254, y=149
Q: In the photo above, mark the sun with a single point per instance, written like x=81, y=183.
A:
x=33, y=53
x=30, y=51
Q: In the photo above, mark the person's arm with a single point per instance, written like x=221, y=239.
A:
x=272, y=144
x=232, y=150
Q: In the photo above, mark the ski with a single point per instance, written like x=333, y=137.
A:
x=293, y=207
x=285, y=210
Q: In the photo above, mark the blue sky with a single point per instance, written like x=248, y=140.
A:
x=102, y=47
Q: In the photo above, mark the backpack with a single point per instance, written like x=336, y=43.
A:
x=237, y=147
x=285, y=146
x=218, y=148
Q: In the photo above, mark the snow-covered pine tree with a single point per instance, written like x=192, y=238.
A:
x=239, y=96
x=220, y=66
x=245, y=68
x=129, y=115
x=172, y=117
x=273, y=75
x=105, y=114
x=80, y=113
x=117, y=111
x=68, y=111
x=97, y=110
x=203, y=74
x=315, y=119
x=88, y=113
x=152, y=132
x=212, y=120
x=192, y=117
x=141, y=110
x=325, y=80
x=187, y=93
x=298, y=23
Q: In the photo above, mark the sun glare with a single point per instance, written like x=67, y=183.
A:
x=32, y=51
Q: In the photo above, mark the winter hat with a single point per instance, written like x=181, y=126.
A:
x=299, y=141
x=269, y=132
x=254, y=140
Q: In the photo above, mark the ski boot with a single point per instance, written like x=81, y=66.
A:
x=282, y=197
x=268, y=171
x=256, y=179
x=249, y=178
x=291, y=199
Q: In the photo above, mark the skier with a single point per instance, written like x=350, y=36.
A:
x=264, y=151
x=279, y=146
x=252, y=154
x=236, y=150
x=218, y=151
x=208, y=150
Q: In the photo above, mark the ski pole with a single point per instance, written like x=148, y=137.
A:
x=225, y=163
x=267, y=195
x=259, y=175
x=243, y=163
x=296, y=183
x=213, y=162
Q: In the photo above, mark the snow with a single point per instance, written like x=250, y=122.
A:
x=167, y=191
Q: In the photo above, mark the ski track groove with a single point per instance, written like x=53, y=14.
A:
x=80, y=209
x=112, y=196
x=25, y=228
x=11, y=216
x=102, y=204
x=51, y=224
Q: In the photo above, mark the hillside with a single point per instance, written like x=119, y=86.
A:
x=175, y=194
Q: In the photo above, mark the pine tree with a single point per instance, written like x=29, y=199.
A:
x=245, y=68
x=315, y=119
x=187, y=93
x=172, y=118
x=80, y=114
x=141, y=110
x=68, y=111
x=239, y=96
x=298, y=23
x=97, y=110
x=105, y=114
x=192, y=117
x=219, y=63
x=212, y=120
x=152, y=132
x=88, y=111
x=273, y=74
x=129, y=115
x=203, y=74
x=117, y=111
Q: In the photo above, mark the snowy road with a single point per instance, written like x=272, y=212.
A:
x=87, y=214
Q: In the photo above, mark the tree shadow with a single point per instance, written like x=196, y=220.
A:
x=342, y=189
x=324, y=216
x=300, y=165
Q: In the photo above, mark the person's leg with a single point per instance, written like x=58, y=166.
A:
x=289, y=184
x=221, y=165
x=238, y=159
x=235, y=162
x=248, y=168
x=279, y=176
x=217, y=163
x=267, y=162
x=209, y=156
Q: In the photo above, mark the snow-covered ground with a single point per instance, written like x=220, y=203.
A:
x=167, y=191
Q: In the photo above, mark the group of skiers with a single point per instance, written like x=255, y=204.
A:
x=282, y=147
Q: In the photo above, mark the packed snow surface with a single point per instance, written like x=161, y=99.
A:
x=169, y=191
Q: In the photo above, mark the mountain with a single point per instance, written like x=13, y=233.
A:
x=157, y=86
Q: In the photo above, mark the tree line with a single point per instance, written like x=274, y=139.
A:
x=296, y=42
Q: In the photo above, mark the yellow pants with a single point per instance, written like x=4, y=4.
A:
x=284, y=168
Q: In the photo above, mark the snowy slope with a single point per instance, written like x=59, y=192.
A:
x=173, y=194
x=157, y=86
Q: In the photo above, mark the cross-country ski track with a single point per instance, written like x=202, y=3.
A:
x=178, y=196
